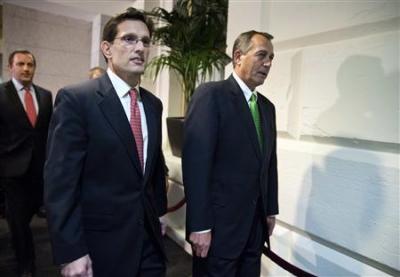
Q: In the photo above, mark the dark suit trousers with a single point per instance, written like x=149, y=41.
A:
x=248, y=264
x=152, y=263
x=23, y=197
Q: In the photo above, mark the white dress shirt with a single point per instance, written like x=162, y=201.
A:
x=21, y=94
x=122, y=89
x=245, y=89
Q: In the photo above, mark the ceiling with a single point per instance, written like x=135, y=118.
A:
x=82, y=9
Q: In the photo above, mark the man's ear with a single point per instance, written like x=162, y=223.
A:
x=237, y=57
x=106, y=49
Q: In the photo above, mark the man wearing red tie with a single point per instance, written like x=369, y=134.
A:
x=25, y=111
x=104, y=173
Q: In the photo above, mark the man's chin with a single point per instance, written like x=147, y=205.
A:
x=260, y=81
x=25, y=81
x=137, y=70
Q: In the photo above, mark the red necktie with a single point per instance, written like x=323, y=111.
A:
x=136, y=125
x=30, y=107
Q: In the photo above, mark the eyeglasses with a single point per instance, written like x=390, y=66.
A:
x=132, y=40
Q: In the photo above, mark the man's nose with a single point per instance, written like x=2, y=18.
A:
x=267, y=63
x=139, y=45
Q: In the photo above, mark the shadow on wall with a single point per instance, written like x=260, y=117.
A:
x=348, y=204
x=349, y=197
x=367, y=107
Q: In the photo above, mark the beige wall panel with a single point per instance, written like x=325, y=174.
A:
x=60, y=44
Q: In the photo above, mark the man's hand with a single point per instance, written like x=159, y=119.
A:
x=270, y=224
x=163, y=225
x=81, y=267
x=200, y=243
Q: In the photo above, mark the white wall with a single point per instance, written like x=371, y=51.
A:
x=98, y=23
x=335, y=74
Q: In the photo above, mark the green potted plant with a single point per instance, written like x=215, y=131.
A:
x=194, y=33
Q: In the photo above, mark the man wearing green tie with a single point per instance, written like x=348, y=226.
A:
x=230, y=165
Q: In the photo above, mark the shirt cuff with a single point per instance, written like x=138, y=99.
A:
x=202, y=232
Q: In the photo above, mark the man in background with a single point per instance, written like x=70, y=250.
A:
x=25, y=111
x=230, y=165
x=105, y=174
x=96, y=72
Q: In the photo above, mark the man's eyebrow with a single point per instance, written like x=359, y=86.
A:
x=135, y=35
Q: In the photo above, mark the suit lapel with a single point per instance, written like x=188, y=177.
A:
x=12, y=94
x=245, y=115
x=266, y=126
x=41, y=105
x=151, y=130
x=113, y=111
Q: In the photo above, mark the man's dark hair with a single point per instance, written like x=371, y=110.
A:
x=111, y=28
x=26, y=52
x=243, y=42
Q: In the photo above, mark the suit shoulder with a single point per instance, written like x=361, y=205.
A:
x=3, y=85
x=266, y=100
x=80, y=91
x=82, y=86
x=151, y=96
x=212, y=86
x=42, y=90
x=2, y=91
x=6, y=85
x=208, y=89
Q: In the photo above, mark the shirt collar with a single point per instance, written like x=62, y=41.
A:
x=19, y=86
x=120, y=86
x=245, y=89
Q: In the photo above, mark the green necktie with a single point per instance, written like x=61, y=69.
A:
x=256, y=117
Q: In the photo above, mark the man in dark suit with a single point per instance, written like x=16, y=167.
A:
x=25, y=111
x=104, y=174
x=230, y=165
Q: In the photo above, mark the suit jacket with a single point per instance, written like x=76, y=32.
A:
x=96, y=195
x=22, y=145
x=226, y=175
